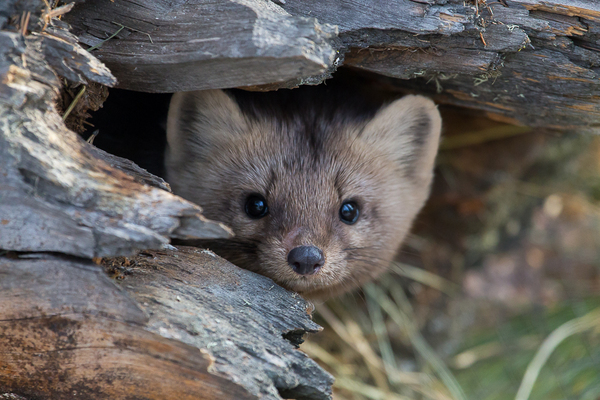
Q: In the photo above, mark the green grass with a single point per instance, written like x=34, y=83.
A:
x=572, y=370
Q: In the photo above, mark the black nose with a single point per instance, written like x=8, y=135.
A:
x=306, y=260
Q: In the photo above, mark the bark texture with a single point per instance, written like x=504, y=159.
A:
x=57, y=192
x=529, y=62
x=179, y=324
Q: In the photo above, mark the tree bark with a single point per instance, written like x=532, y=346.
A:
x=178, y=45
x=180, y=324
x=57, y=192
x=528, y=62
x=184, y=324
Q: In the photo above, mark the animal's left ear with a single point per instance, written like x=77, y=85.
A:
x=409, y=131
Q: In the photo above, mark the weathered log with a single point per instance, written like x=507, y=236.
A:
x=55, y=194
x=183, y=324
x=531, y=62
x=172, y=46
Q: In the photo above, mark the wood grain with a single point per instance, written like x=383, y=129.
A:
x=533, y=62
x=176, y=45
x=57, y=192
x=181, y=324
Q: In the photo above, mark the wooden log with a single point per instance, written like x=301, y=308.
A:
x=180, y=324
x=529, y=62
x=176, y=45
x=56, y=193
x=184, y=324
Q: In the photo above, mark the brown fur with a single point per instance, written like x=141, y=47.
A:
x=305, y=154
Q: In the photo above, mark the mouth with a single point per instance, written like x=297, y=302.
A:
x=306, y=283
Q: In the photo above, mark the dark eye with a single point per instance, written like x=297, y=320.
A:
x=349, y=212
x=256, y=206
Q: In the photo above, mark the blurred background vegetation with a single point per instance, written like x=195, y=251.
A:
x=495, y=294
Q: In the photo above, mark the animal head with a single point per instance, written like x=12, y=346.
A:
x=320, y=190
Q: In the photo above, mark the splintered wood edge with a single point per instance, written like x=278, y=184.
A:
x=55, y=193
x=298, y=49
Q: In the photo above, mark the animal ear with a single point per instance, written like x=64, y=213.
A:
x=199, y=122
x=408, y=130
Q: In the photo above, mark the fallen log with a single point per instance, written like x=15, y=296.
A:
x=527, y=62
x=194, y=43
x=57, y=194
x=180, y=324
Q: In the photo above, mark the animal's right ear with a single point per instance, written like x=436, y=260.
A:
x=201, y=121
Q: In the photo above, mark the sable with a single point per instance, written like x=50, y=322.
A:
x=319, y=185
